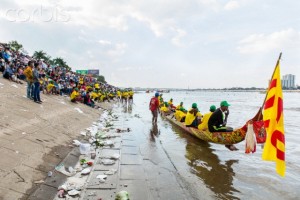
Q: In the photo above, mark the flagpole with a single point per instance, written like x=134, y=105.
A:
x=269, y=84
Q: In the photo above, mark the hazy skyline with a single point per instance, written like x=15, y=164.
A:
x=165, y=44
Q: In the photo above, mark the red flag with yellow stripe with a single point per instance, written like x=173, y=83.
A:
x=274, y=149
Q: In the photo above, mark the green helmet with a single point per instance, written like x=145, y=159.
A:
x=212, y=108
x=194, y=105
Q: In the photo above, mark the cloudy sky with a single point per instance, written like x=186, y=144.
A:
x=162, y=43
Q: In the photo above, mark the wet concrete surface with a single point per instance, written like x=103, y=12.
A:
x=145, y=170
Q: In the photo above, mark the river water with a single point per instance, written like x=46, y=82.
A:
x=224, y=174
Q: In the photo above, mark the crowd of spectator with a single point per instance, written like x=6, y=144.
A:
x=54, y=80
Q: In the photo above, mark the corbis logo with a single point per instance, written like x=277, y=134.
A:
x=40, y=14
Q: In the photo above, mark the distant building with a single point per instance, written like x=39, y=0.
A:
x=288, y=81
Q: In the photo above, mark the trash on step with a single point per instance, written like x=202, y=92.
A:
x=76, y=142
x=107, y=162
x=118, y=130
x=92, y=194
x=61, y=168
x=90, y=163
x=71, y=169
x=73, y=192
x=101, y=178
x=110, y=172
x=115, y=156
x=61, y=194
x=84, y=148
x=83, y=133
x=122, y=195
x=63, y=187
x=86, y=171
x=93, y=155
x=50, y=174
x=82, y=161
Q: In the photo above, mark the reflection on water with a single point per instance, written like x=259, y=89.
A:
x=206, y=165
x=127, y=107
x=154, y=132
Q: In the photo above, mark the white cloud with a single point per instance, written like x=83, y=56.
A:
x=177, y=39
x=232, y=5
x=117, y=50
x=258, y=43
x=104, y=42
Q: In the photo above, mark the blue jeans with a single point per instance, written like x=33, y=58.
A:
x=36, y=92
x=29, y=90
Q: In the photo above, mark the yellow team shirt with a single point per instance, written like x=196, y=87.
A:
x=190, y=118
x=88, y=88
x=80, y=81
x=125, y=94
x=74, y=94
x=97, y=86
x=179, y=107
x=179, y=115
x=131, y=93
x=164, y=109
x=119, y=93
x=204, y=123
x=94, y=95
x=49, y=87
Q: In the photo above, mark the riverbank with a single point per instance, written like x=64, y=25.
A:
x=34, y=138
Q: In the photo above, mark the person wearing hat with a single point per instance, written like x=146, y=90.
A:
x=217, y=121
x=204, y=124
x=193, y=117
x=171, y=104
x=154, y=106
x=165, y=109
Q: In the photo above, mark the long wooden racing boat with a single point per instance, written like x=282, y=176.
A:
x=227, y=138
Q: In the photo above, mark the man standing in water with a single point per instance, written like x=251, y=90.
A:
x=217, y=121
x=153, y=106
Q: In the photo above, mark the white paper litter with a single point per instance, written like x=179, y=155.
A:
x=115, y=156
x=107, y=162
x=78, y=109
x=83, y=133
x=73, y=192
x=84, y=148
x=76, y=142
x=110, y=172
x=86, y=171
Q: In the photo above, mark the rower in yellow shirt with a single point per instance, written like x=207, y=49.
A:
x=180, y=115
x=193, y=116
x=165, y=109
x=204, y=124
x=180, y=112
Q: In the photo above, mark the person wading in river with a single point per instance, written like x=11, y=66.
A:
x=153, y=106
